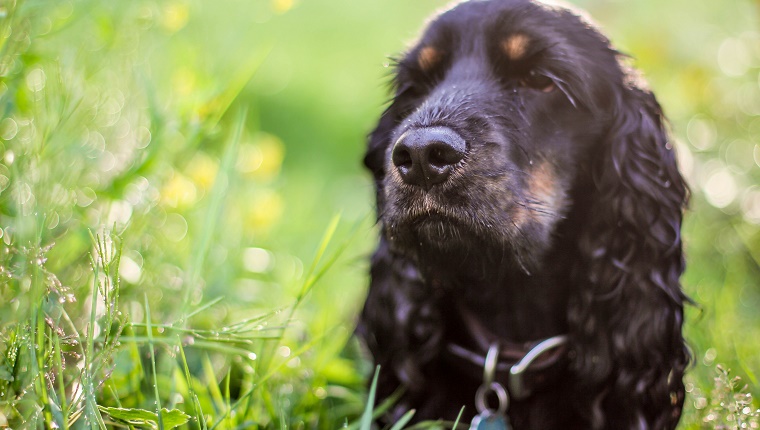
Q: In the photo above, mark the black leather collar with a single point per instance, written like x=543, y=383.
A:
x=524, y=368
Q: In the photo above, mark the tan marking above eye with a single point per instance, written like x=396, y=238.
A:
x=428, y=57
x=515, y=46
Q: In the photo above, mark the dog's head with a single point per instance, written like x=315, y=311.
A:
x=494, y=108
x=518, y=150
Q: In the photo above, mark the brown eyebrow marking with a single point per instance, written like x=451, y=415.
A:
x=428, y=57
x=515, y=46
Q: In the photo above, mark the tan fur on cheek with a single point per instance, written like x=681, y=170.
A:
x=515, y=46
x=543, y=188
x=545, y=198
x=428, y=58
x=542, y=180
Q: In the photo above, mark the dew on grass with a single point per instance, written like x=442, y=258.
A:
x=283, y=351
x=143, y=137
x=320, y=392
x=35, y=79
x=8, y=129
x=294, y=363
x=5, y=179
x=53, y=221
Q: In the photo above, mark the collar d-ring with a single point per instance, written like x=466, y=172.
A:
x=491, y=386
x=516, y=382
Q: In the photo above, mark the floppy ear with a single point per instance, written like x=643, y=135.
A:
x=626, y=321
x=401, y=322
x=380, y=138
x=401, y=325
x=378, y=141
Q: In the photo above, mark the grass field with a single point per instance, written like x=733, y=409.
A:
x=185, y=222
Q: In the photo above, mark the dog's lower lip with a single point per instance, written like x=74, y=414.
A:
x=415, y=219
x=429, y=217
x=434, y=217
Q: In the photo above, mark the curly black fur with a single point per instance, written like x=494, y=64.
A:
x=563, y=217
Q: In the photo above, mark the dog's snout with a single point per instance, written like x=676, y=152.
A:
x=425, y=156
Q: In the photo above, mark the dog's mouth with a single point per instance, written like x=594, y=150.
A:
x=416, y=209
x=433, y=226
x=435, y=218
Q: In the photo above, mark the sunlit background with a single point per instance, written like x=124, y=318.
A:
x=184, y=215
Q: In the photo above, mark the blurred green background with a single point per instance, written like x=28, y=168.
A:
x=210, y=146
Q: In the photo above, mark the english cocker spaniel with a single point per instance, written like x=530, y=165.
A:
x=530, y=210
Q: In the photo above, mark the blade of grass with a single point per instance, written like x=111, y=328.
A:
x=326, y=238
x=227, y=402
x=213, y=213
x=204, y=307
x=381, y=408
x=213, y=387
x=311, y=278
x=58, y=363
x=153, y=363
x=367, y=419
x=404, y=420
x=37, y=351
x=115, y=395
x=92, y=414
x=459, y=418
x=205, y=345
x=238, y=82
x=243, y=398
x=196, y=402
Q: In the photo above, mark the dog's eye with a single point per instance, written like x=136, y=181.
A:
x=538, y=81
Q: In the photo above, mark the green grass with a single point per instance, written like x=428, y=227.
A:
x=170, y=175
x=136, y=324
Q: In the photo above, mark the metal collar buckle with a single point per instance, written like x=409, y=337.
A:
x=517, y=387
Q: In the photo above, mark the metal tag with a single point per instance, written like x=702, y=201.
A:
x=487, y=418
x=490, y=421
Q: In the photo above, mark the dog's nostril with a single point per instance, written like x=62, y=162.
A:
x=442, y=154
x=426, y=156
x=401, y=157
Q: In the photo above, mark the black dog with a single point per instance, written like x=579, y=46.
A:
x=530, y=208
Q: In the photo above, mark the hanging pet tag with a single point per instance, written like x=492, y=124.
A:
x=486, y=421
x=491, y=419
x=487, y=418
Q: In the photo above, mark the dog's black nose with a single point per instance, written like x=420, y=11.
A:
x=426, y=156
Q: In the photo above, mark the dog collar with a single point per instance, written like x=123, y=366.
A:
x=523, y=368
x=525, y=375
x=489, y=418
